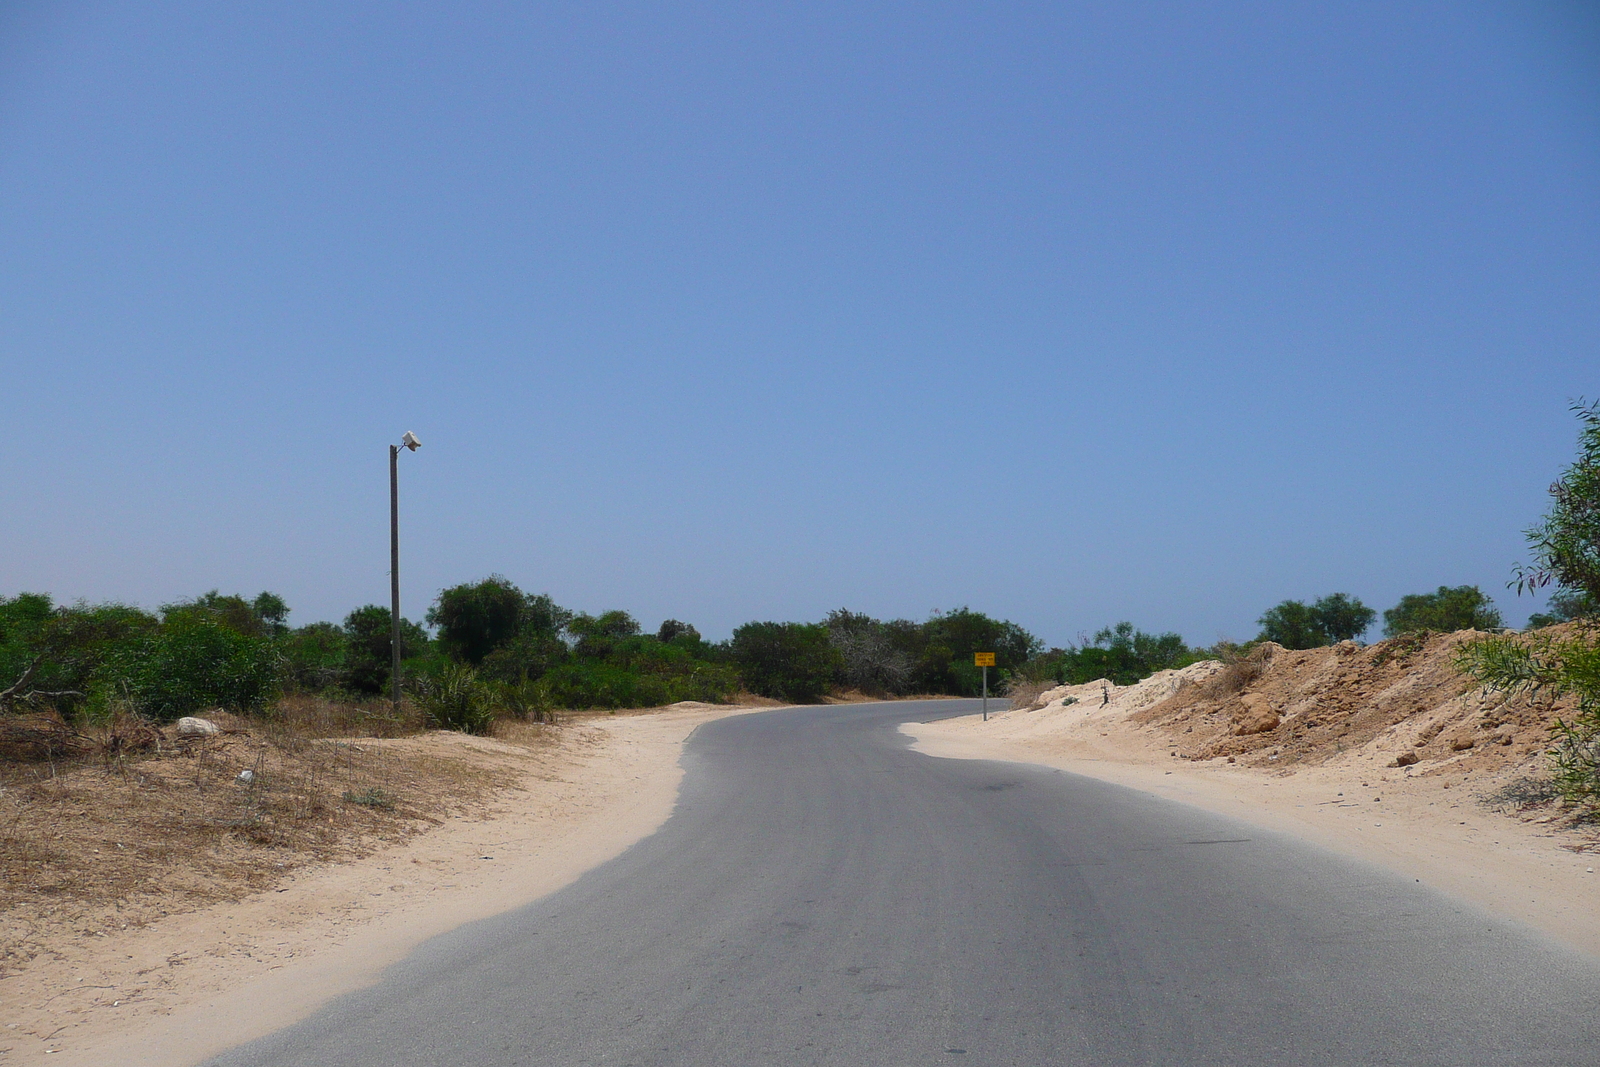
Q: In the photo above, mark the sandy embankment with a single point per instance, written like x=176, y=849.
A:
x=1432, y=826
x=189, y=986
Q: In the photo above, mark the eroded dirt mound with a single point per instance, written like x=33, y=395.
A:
x=1402, y=700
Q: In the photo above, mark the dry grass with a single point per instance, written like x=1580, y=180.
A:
x=131, y=823
x=1238, y=673
x=1025, y=695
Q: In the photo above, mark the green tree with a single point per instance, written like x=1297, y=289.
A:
x=273, y=612
x=672, y=629
x=57, y=655
x=195, y=661
x=1120, y=654
x=1566, y=605
x=262, y=617
x=868, y=657
x=791, y=661
x=1540, y=663
x=476, y=618
x=1566, y=543
x=941, y=649
x=314, y=655
x=1450, y=608
x=1292, y=624
x=369, y=638
x=1341, y=617
x=598, y=635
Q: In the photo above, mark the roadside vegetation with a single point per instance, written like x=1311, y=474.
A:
x=1564, y=661
x=487, y=652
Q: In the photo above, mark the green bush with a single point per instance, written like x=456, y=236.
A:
x=1566, y=605
x=791, y=661
x=369, y=640
x=1336, y=617
x=314, y=656
x=477, y=618
x=599, y=635
x=195, y=662
x=599, y=684
x=455, y=699
x=1451, y=608
x=54, y=655
x=1120, y=654
x=529, y=700
x=1540, y=663
x=1566, y=543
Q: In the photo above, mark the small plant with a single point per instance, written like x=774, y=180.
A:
x=372, y=797
x=528, y=700
x=455, y=699
x=1237, y=673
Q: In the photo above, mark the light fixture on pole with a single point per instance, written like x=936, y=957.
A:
x=410, y=442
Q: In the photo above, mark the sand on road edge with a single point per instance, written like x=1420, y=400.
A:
x=190, y=986
x=1431, y=829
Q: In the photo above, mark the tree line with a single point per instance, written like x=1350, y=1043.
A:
x=487, y=647
x=483, y=648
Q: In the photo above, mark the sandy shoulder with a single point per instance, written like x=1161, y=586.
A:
x=1433, y=829
x=187, y=987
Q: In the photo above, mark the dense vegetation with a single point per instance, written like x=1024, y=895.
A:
x=493, y=649
x=1566, y=556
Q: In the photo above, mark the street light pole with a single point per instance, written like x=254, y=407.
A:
x=408, y=441
x=394, y=574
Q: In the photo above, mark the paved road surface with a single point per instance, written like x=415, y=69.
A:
x=823, y=895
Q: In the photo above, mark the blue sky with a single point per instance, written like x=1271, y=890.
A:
x=1067, y=312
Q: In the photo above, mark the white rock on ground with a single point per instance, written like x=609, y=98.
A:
x=189, y=726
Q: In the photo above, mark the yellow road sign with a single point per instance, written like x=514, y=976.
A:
x=983, y=659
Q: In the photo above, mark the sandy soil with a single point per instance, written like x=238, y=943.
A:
x=190, y=985
x=1433, y=821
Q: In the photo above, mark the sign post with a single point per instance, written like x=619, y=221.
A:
x=984, y=660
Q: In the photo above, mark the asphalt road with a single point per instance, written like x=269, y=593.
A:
x=824, y=895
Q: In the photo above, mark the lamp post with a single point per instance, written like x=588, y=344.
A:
x=409, y=441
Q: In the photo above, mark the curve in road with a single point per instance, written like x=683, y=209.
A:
x=823, y=895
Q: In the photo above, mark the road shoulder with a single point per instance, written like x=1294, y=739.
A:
x=184, y=988
x=1435, y=830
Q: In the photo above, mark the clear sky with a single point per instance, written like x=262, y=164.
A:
x=1068, y=312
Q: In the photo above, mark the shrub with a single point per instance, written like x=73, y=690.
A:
x=791, y=661
x=1566, y=543
x=531, y=701
x=1336, y=617
x=1558, y=666
x=369, y=640
x=1292, y=625
x=672, y=629
x=454, y=699
x=1451, y=608
x=1240, y=669
x=1566, y=605
x=599, y=635
x=868, y=658
x=196, y=662
x=1121, y=654
x=53, y=655
x=262, y=617
x=314, y=656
